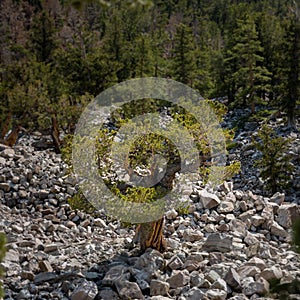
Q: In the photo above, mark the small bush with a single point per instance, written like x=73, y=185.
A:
x=275, y=164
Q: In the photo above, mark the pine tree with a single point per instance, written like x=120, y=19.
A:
x=183, y=62
x=271, y=35
x=275, y=164
x=42, y=40
x=292, y=87
x=251, y=77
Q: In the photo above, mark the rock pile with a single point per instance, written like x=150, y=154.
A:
x=232, y=244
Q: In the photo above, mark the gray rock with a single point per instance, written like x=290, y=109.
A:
x=194, y=294
x=225, y=207
x=5, y=187
x=27, y=275
x=196, y=279
x=208, y=200
x=250, y=239
x=44, y=277
x=175, y=263
x=12, y=256
x=108, y=294
x=51, y=247
x=271, y=273
x=23, y=294
x=216, y=294
x=45, y=266
x=287, y=214
x=256, y=262
x=257, y=220
x=17, y=228
x=178, y=279
x=43, y=194
x=8, y=153
x=260, y=287
x=248, y=271
x=129, y=290
x=219, y=284
x=158, y=287
x=212, y=276
x=190, y=235
x=171, y=214
x=115, y=274
x=99, y=222
x=278, y=198
x=233, y=279
x=218, y=242
x=276, y=229
x=87, y=290
x=239, y=297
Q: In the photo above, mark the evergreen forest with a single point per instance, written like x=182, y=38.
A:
x=63, y=53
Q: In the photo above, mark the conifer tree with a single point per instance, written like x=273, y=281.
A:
x=251, y=77
x=292, y=71
x=183, y=64
x=42, y=40
x=275, y=164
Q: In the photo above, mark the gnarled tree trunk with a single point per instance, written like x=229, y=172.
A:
x=150, y=235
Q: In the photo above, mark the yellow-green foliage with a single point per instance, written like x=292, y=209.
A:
x=2, y=255
x=183, y=208
x=66, y=150
x=138, y=194
x=78, y=201
x=145, y=147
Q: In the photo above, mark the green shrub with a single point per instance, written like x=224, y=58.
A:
x=275, y=164
x=79, y=202
x=144, y=148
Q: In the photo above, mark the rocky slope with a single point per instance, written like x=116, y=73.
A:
x=231, y=245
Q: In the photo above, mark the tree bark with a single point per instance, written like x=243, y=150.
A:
x=150, y=235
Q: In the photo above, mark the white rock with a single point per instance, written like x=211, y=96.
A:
x=171, y=214
x=208, y=200
x=216, y=294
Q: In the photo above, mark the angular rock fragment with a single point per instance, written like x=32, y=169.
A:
x=178, y=279
x=129, y=290
x=233, y=279
x=287, y=214
x=87, y=290
x=158, y=287
x=208, y=200
x=218, y=242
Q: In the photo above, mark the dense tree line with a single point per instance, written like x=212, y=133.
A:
x=54, y=55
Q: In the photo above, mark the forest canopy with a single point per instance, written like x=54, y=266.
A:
x=54, y=55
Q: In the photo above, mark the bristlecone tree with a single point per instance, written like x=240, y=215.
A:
x=150, y=235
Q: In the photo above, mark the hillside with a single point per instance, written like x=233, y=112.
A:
x=231, y=244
